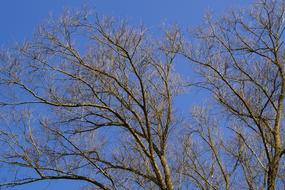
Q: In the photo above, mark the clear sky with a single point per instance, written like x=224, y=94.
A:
x=19, y=18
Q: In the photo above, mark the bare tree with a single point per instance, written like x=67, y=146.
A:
x=241, y=57
x=89, y=99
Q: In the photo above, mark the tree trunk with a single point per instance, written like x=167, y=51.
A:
x=167, y=173
x=272, y=172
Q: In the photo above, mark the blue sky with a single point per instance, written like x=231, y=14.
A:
x=19, y=18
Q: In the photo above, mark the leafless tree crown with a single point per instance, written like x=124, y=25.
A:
x=91, y=99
